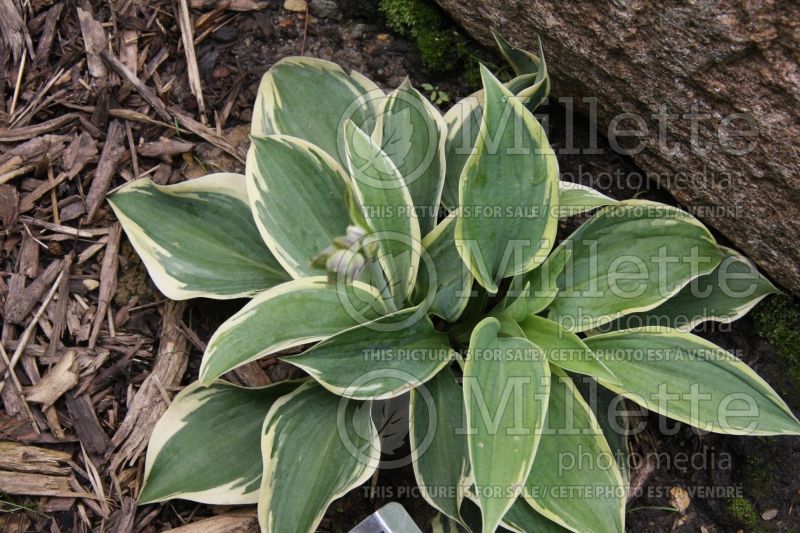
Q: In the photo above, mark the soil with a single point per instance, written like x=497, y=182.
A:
x=239, y=47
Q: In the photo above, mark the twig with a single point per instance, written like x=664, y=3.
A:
x=191, y=58
x=21, y=72
x=66, y=230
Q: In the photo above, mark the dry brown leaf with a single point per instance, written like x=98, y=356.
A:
x=679, y=499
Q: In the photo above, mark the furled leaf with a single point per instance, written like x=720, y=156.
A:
x=574, y=453
x=292, y=314
x=312, y=99
x=506, y=385
x=536, y=88
x=564, y=349
x=379, y=359
x=411, y=131
x=316, y=447
x=514, y=174
x=442, y=274
x=197, y=238
x=388, y=209
x=438, y=448
x=724, y=295
x=629, y=258
x=574, y=199
x=522, y=61
x=227, y=420
x=688, y=378
x=297, y=193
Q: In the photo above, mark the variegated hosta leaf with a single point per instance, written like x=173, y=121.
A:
x=388, y=209
x=522, y=518
x=411, y=131
x=438, y=447
x=294, y=313
x=532, y=292
x=687, y=378
x=514, y=174
x=312, y=99
x=506, y=385
x=522, y=61
x=574, y=453
x=564, y=349
x=725, y=295
x=574, y=199
x=316, y=447
x=379, y=359
x=453, y=282
x=535, y=91
x=463, y=121
x=297, y=193
x=226, y=420
x=630, y=258
x=197, y=238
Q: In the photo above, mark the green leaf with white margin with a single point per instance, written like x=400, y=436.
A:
x=725, y=295
x=388, y=209
x=316, y=448
x=289, y=315
x=572, y=432
x=522, y=61
x=574, y=199
x=440, y=260
x=380, y=359
x=506, y=385
x=532, y=292
x=690, y=379
x=564, y=349
x=197, y=238
x=463, y=120
x=312, y=99
x=411, y=131
x=438, y=448
x=297, y=193
x=227, y=420
x=630, y=258
x=522, y=518
x=514, y=170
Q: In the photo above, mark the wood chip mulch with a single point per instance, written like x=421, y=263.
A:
x=94, y=95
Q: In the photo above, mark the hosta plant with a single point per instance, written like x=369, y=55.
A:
x=402, y=254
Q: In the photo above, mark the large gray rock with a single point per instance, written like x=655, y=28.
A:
x=704, y=73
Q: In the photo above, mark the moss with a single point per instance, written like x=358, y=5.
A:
x=425, y=23
x=778, y=321
x=759, y=473
x=742, y=512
